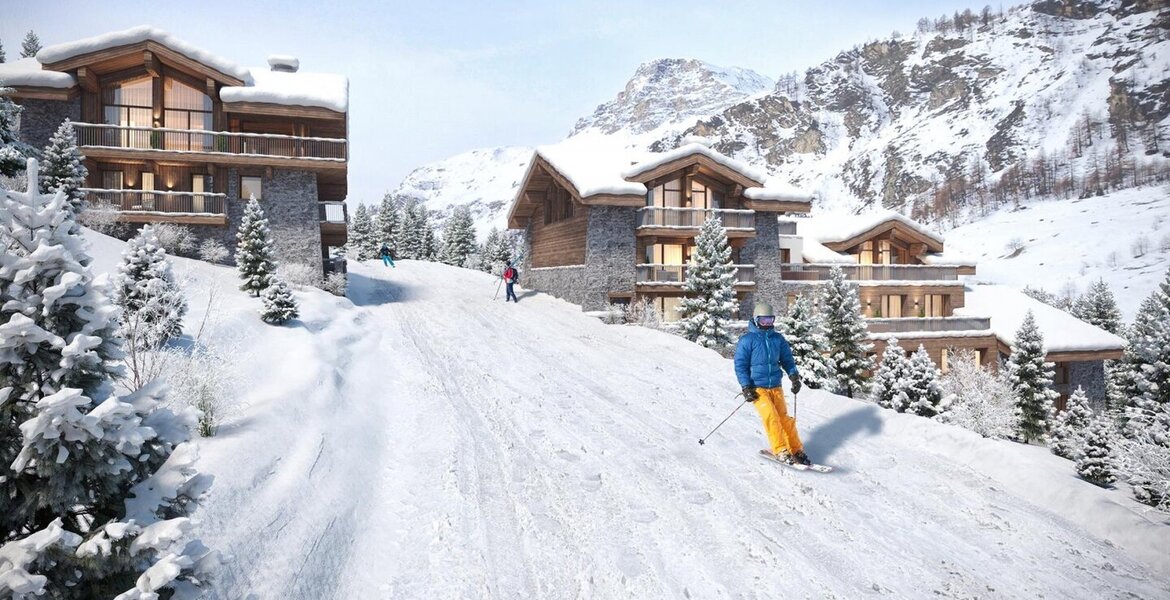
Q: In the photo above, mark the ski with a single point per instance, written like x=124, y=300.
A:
x=767, y=454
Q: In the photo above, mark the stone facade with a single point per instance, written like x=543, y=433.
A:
x=290, y=204
x=1090, y=375
x=610, y=255
x=764, y=252
x=40, y=119
x=562, y=282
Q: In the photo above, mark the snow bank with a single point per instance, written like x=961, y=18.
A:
x=1062, y=332
x=134, y=35
x=323, y=90
x=28, y=71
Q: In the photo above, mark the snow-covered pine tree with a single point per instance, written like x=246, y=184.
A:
x=31, y=45
x=279, y=304
x=886, y=388
x=3, y=57
x=846, y=335
x=923, y=394
x=410, y=238
x=1095, y=461
x=488, y=249
x=361, y=235
x=976, y=398
x=62, y=168
x=1145, y=456
x=72, y=450
x=458, y=237
x=428, y=248
x=254, y=250
x=13, y=152
x=386, y=226
x=1069, y=425
x=1148, y=358
x=152, y=303
x=1031, y=379
x=1098, y=307
x=803, y=328
x=709, y=289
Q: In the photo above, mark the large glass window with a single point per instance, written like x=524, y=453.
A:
x=892, y=307
x=251, y=187
x=199, y=185
x=667, y=195
x=668, y=307
x=933, y=305
x=186, y=107
x=147, y=180
x=128, y=103
x=866, y=256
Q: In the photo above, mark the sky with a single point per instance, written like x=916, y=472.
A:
x=431, y=79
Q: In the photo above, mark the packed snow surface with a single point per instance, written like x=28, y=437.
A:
x=134, y=35
x=1008, y=308
x=28, y=71
x=419, y=440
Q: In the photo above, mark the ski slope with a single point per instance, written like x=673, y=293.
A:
x=419, y=440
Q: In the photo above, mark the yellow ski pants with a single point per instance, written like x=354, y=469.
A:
x=780, y=427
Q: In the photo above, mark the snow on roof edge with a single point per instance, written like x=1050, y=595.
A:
x=1007, y=307
x=134, y=35
x=694, y=148
x=29, y=72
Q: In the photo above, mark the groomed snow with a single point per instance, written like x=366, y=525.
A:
x=28, y=71
x=134, y=35
x=324, y=90
x=421, y=441
x=1008, y=307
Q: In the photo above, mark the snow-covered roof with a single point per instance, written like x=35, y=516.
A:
x=777, y=190
x=28, y=71
x=831, y=228
x=653, y=161
x=324, y=90
x=134, y=35
x=816, y=252
x=1062, y=332
x=948, y=259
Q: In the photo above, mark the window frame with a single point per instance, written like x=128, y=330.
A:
x=247, y=197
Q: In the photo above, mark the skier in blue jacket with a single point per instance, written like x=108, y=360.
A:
x=762, y=357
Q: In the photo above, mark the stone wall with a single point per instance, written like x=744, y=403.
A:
x=40, y=119
x=1090, y=375
x=764, y=252
x=610, y=255
x=562, y=282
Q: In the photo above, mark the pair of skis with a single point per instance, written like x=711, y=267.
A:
x=767, y=454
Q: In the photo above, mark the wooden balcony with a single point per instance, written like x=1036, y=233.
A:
x=685, y=222
x=657, y=276
x=100, y=142
x=334, y=220
x=916, y=273
x=146, y=206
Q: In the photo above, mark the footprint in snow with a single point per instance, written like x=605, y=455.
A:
x=566, y=455
x=643, y=515
x=699, y=497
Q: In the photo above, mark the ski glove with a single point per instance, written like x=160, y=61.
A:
x=796, y=385
x=749, y=394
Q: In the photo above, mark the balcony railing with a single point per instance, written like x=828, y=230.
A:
x=820, y=272
x=693, y=218
x=152, y=201
x=655, y=274
x=928, y=324
x=209, y=142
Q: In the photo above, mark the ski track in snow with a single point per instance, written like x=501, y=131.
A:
x=428, y=442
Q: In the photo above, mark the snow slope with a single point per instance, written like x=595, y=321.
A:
x=1072, y=243
x=420, y=440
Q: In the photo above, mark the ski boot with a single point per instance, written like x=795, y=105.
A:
x=800, y=458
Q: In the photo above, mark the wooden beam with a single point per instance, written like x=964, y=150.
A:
x=1084, y=356
x=88, y=80
x=150, y=63
x=125, y=154
x=32, y=92
x=281, y=110
x=161, y=217
x=778, y=206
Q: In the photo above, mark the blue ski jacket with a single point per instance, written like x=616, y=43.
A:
x=759, y=356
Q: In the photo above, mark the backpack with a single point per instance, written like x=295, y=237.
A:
x=510, y=275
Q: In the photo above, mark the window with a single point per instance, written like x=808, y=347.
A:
x=147, y=185
x=785, y=256
x=884, y=252
x=1060, y=374
x=933, y=305
x=892, y=307
x=185, y=107
x=668, y=307
x=699, y=197
x=129, y=103
x=667, y=195
x=866, y=256
x=199, y=185
x=251, y=186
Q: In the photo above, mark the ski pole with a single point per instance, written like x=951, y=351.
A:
x=703, y=440
x=498, y=288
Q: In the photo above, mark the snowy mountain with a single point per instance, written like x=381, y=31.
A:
x=672, y=92
x=365, y=453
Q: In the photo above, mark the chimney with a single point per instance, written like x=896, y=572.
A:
x=284, y=63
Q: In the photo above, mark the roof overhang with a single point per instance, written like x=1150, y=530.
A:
x=882, y=227
x=704, y=163
x=33, y=92
x=785, y=206
x=282, y=110
x=144, y=53
x=537, y=178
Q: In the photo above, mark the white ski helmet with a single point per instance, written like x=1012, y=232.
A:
x=763, y=309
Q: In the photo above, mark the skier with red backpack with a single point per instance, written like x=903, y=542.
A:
x=511, y=276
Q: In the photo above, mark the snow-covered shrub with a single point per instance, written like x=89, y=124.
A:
x=1095, y=461
x=976, y=398
x=1069, y=425
x=1113, y=260
x=1140, y=246
x=299, y=274
x=642, y=312
x=213, y=251
x=922, y=393
x=1031, y=379
x=279, y=304
x=886, y=386
x=145, y=288
x=177, y=240
x=1145, y=456
x=254, y=250
x=102, y=217
x=1040, y=294
x=335, y=283
x=710, y=301
x=1014, y=245
x=202, y=377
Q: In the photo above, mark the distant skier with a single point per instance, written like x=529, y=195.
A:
x=759, y=356
x=510, y=278
x=387, y=258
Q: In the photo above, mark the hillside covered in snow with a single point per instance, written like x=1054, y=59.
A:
x=366, y=451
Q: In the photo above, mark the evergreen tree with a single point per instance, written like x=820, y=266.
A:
x=1069, y=426
x=923, y=394
x=152, y=304
x=3, y=57
x=1148, y=355
x=387, y=225
x=1145, y=451
x=887, y=387
x=805, y=331
x=30, y=46
x=13, y=152
x=361, y=235
x=254, y=250
x=709, y=288
x=1096, y=462
x=63, y=168
x=458, y=237
x=1031, y=379
x=428, y=248
x=279, y=304
x=71, y=451
x=1098, y=307
x=846, y=335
